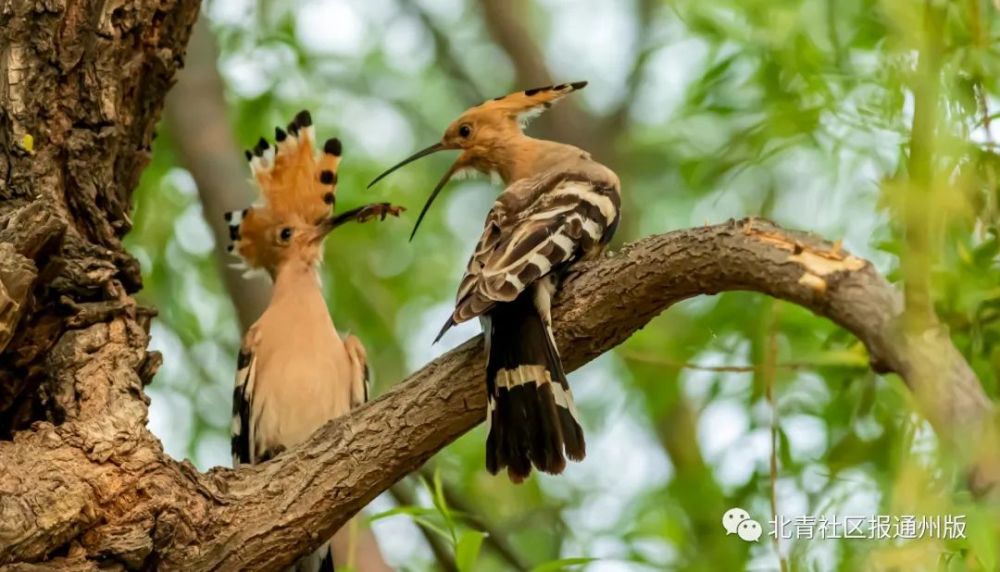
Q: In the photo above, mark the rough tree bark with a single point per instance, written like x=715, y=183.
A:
x=81, y=87
x=128, y=503
x=84, y=484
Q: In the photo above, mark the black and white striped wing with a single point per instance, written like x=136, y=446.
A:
x=564, y=223
x=242, y=440
x=492, y=233
x=360, y=373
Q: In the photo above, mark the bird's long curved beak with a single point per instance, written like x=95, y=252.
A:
x=437, y=189
x=418, y=155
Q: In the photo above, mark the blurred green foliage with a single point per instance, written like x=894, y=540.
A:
x=797, y=110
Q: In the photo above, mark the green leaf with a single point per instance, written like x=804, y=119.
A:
x=418, y=515
x=411, y=511
x=855, y=357
x=435, y=528
x=981, y=532
x=442, y=506
x=562, y=564
x=467, y=550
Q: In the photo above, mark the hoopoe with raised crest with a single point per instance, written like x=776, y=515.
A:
x=560, y=206
x=295, y=371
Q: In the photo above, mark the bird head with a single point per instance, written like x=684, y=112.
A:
x=483, y=132
x=297, y=196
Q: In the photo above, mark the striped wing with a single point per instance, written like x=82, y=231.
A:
x=530, y=235
x=242, y=440
x=361, y=379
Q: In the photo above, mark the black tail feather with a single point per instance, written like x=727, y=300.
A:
x=319, y=560
x=531, y=413
x=327, y=564
x=576, y=447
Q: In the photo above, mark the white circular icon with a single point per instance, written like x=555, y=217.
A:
x=749, y=530
x=733, y=518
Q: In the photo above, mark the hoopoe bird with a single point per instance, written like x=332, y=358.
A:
x=295, y=372
x=560, y=206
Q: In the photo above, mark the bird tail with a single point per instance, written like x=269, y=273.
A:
x=321, y=560
x=530, y=412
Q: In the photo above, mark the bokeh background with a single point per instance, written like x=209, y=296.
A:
x=797, y=110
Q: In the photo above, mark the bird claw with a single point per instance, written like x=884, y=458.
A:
x=380, y=210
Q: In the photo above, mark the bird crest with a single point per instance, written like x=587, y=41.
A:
x=297, y=192
x=522, y=106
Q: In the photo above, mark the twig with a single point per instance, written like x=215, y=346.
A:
x=917, y=216
x=446, y=56
x=404, y=496
x=494, y=539
x=751, y=368
x=981, y=42
x=770, y=374
x=987, y=119
x=984, y=109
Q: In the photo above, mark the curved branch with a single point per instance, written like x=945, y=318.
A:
x=263, y=516
x=347, y=463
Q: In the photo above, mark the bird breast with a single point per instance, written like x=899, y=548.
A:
x=303, y=374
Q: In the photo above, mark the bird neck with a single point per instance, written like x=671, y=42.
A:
x=522, y=156
x=297, y=286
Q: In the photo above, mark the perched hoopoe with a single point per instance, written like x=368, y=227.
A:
x=295, y=372
x=560, y=206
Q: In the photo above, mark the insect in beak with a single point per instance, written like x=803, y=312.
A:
x=321, y=229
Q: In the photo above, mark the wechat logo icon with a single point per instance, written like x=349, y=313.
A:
x=737, y=521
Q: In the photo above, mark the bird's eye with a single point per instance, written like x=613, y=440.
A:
x=286, y=234
x=465, y=130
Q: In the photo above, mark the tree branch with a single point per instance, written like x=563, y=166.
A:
x=446, y=57
x=264, y=516
x=920, y=193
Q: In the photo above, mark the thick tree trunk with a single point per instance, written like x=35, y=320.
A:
x=81, y=87
x=83, y=483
